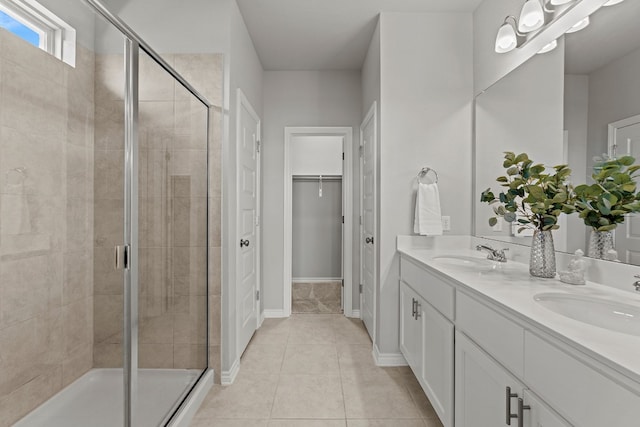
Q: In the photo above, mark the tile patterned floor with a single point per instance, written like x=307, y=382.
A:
x=318, y=297
x=316, y=370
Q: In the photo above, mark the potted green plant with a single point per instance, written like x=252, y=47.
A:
x=533, y=198
x=604, y=204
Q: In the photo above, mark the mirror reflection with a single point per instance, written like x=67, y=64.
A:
x=567, y=106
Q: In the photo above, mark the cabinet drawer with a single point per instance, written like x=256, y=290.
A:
x=436, y=292
x=499, y=336
x=580, y=393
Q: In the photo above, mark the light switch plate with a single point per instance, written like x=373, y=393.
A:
x=446, y=223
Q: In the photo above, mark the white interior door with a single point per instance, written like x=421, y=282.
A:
x=247, y=265
x=627, y=235
x=368, y=219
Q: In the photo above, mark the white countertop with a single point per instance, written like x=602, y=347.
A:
x=510, y=286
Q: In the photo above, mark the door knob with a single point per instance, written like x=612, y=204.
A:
x=244, y=243
x=369, y=240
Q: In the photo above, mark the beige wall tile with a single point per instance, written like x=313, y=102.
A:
x=156, y=356
x=77, y=283
x=107, y=355
x=107, y=318
x=109, y=174
x=155, y=83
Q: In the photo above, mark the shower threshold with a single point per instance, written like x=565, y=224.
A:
x=96, y=399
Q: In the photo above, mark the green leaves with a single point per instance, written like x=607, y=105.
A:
x=603, y=205
x=532, y=196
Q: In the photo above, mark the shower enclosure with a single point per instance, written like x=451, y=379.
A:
x=104, y=189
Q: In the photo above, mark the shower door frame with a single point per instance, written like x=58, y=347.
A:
x=133, y=45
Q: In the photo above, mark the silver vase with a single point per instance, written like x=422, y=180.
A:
x=543, y=256
x=600, y=242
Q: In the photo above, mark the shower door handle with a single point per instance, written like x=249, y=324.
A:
x=121, y=253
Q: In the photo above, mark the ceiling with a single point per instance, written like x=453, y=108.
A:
x=325, y=34
x=613, y=32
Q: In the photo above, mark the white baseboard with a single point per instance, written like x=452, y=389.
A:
x=315, y=279
x=228, y=377
x=274, y=314
x=355, y=314
x=185, y=415
x=388, y=359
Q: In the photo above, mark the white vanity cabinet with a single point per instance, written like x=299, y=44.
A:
x=426, y=336
x=509, y=370
x=487, y=395
x=481, y=388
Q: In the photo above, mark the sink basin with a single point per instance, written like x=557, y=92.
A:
x=605, y=314
x=463, y=261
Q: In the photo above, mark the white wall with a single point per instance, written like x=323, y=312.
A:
x=298, y=98
x=521, y=113
x=169, y=26
x=614, y=94
x=316, y=155
x=427, y=89
x=576, y=113
x=244, y=71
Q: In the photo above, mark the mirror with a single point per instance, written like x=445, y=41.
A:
x=566, y=106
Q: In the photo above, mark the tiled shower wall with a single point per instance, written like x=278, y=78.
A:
x=172, y=203
x=46, y=223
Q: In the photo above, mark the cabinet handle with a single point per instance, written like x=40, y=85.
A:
x=509, y=416
x=521, y=408
x=413, y=307
x=418, y=306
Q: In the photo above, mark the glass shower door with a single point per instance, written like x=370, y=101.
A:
x=172, y=228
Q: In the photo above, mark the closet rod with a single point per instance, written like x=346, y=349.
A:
x=317, y=177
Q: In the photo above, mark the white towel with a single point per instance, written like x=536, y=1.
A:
x=428, y=218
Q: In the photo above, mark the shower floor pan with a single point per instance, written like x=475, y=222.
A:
x=96, y=399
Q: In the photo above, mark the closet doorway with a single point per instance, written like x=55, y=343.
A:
x=318, y=220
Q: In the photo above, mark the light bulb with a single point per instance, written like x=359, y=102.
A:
x=531, y=16
x=612, y=2
x=506, y=39
x=548, y=47
x=559, y=2
x=579, y=26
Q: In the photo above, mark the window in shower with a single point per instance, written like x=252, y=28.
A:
x=40, y=27
x=21, y=30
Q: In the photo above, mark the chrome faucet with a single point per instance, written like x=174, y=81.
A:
x=495, y=254
x=636, y=284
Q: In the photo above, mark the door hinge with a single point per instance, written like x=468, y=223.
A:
x=258, y=295
x=360, y=219
x=360, y=287
x=342, y=156
x=343, y=283
x=122, y=257
x=361, y=150
x=343, y=219
x=258, y=146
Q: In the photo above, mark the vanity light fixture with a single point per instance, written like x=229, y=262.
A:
x=548, y=47
x=507, y=38
x=531, y=16
x=612, y=2
x=579, y=25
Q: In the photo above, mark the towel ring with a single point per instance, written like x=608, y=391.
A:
x=424, y=172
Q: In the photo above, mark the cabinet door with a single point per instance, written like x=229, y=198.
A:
x=410, y=337
x=481, y=388
x=437, y=361
x=539, y=415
